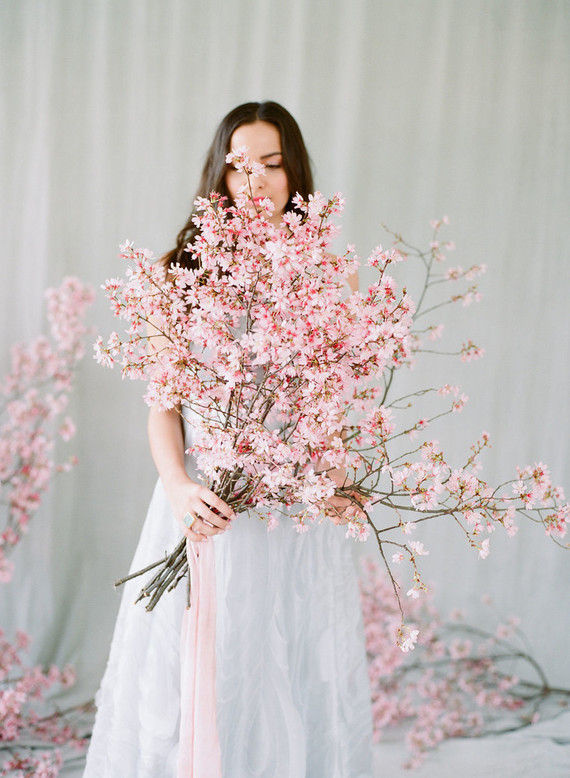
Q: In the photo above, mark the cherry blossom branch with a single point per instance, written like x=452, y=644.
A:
x=21, y=727
x=452, y=685
x=35, y=396
x=268, y=360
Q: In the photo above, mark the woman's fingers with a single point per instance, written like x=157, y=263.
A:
x=198, y=529
x=336, y=509
x=201, y=527
x=206, y=515
x=213, y=510
x=341, y=510
x=212, y=499
x=337, y=518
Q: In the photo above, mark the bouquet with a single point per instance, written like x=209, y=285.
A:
x=287, y=381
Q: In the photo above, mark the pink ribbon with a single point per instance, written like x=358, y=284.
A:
x=199, y=747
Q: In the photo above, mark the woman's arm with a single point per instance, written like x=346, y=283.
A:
x=352, y=282
x=166, y=438
x=184, y=495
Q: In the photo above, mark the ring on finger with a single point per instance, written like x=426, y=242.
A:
x=189, y=519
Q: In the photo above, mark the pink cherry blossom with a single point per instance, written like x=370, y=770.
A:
x=35, y=393
x=290, y=384
x=456, y=683
x=418, y=548
x=21, y=690
x=484, y=548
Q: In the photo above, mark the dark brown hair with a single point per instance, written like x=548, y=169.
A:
x=296, y=164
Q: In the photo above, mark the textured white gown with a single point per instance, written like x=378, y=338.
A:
x=293, y=698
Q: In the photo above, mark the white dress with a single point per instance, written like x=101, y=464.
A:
x=292, y=691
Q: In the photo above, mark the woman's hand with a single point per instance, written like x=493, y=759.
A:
x=199, y=512
x=342, y=508
x=195, y=505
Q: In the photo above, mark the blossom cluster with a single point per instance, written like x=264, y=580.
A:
x=289, y=382
x=44, y=765
x=35, y=396
x=261, y=348
x=33, y=399
x=22, y=689
x=459, y=683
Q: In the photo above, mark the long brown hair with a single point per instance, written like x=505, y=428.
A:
x=296, y=164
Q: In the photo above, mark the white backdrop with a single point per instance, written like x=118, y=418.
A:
x=412, y=110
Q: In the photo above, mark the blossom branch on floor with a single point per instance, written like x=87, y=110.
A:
x=461, y=681
x=33, y=398
x=23, y=728
x=288, y=382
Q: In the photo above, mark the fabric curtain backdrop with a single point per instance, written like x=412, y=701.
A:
x=413, y=110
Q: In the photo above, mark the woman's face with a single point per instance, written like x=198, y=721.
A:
x=264, y=145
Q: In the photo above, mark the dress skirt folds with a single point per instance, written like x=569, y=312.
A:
x=292, y=691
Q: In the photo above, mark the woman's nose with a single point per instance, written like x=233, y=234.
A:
x=258, y=184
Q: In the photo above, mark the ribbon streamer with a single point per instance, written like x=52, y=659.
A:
x=199, y=753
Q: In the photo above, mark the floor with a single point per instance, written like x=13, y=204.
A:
x=539, y=751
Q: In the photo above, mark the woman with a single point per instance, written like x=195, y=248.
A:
x=291, y=686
